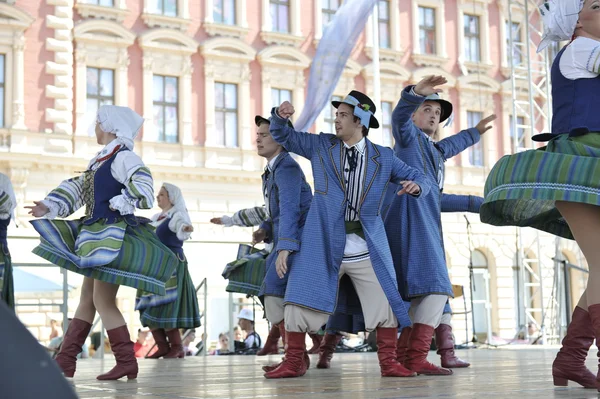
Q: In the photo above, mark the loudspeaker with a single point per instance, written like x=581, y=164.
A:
x=26, y=369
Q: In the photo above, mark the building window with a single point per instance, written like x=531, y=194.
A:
x=386, y=123
x=328, y=10
x=475, y=151
x=226, y=114
x=519, y=138
x=164, y=7
x=427, y=30
x=280, y=95
x=224, y=11
x=330, y=115
x=165, y=107
x=514, y=30
x=472, y=38
x=384, y=23
x=100, y=90
x=105, y=3
x=280, y=15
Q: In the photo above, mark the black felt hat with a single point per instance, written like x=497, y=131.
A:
x=363, y=102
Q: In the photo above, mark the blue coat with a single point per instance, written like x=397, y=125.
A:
x=288, y=201
x=414, y=228
x=450, y=203
x=313, y=278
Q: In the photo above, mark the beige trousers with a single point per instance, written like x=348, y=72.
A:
x=446, y=319
x=274, y=308
x=374, y=303
x=427, y=309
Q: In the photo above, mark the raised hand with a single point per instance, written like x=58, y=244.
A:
x=286, y=110
x=38, y=210
x=428, y=85
x=482, y=126
x=259, y=236
x=409, y=187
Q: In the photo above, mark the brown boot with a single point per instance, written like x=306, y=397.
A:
x=402, y=344
x=160, y=337
x=386, y=352
x=271, y=347
x=445, y=344
x=294, y=364
x=176, y=351
x=316, y=339
x=122, y=348
x=73, y=341
x=418, y=348
x=570, y=360
x=326, y=350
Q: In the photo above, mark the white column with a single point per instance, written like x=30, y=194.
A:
x=121, y=86
x=208, y=11
x=298, y=93
x=266, y=91
x=244, y=114
x=266, y=16
x=185, y=90
x=18, y=115
x=241, y=14
x=80, y=91
x=296, y=28
x=209, y=103
x=150, y=133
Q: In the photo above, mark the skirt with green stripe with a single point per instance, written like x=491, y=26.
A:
x=116, y=253
x=521, y=189
x=177, y=309
x=7, y=292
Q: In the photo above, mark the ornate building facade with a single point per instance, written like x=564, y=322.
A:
x=198, y=72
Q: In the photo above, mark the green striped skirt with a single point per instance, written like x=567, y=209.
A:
x=177, y=309
x=7, y=292
x=116, y=253
x=522, y=188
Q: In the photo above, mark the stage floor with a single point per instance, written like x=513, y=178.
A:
x=523, y=372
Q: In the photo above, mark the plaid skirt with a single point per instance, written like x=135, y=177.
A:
x=116, y=253
x=177, y=309
x=246, y=274
x=7, y=293
x=521, y=189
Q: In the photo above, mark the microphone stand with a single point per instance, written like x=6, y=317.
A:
x=471, y=279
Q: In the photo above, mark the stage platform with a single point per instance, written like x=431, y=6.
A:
x=509, y=372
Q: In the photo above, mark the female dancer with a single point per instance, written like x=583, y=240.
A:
x=179, y=307
x=109, y=245
x=8, y=203
x=555, y=188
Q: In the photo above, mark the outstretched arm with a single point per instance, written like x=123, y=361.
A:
x=461, y=203
x=301, y=143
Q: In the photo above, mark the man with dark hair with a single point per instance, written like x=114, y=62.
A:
x=344, y=234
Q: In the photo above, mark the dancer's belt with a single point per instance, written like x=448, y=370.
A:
x=355, y=228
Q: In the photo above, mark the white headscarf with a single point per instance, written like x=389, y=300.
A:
x=7, y=187
x=176, y=199
x=121, y=121
x=560, y=18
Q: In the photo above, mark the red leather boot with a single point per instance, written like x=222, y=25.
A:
x=316, y=339
x=283, y=337
x=445, y=344
x=402, y=344
x=73, y=341
x=294, y=364
x=176, y=351
x=326, y=350
x=271, y=347
x=122, y=348
x=160, y=337
x=570, y=360
x=418, y=348
x=386, y=352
